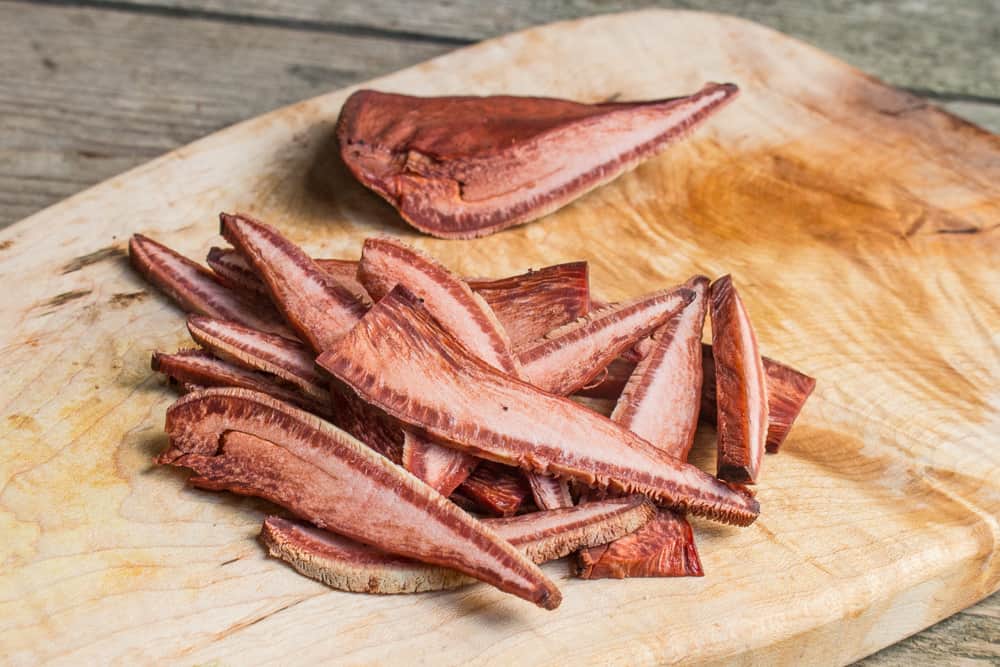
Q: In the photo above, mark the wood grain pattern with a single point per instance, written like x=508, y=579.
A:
x=856, y=220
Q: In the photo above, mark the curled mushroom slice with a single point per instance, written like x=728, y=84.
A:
x=740, y=389
x=461, y=167
x=318, y=308
x=401, y=361
x=252, y=444
x=196, y=289
x=542, y=536
x=196, y=368
x=660, y=403
x=573, y=355
x=495, y=489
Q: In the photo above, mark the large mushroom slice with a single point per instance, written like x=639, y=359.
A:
x=462, y=167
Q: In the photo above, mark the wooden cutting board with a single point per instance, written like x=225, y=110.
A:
x=860, y=222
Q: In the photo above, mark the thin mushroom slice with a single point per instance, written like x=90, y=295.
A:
x=573, y=355
x=495, y=489
x=529, y=305
x=386, y=263
x=252, y=444
x=461, y=167
x=318, y=308
x=397, y=353
x=286, y=358
x=660, y=403
x=197, y=368
x=787, y=393
x=788, y=390
x=542, y=536
x=196, y=289
x=441, y=467
x=740, y=387
x=532, y=304
x=664, y=547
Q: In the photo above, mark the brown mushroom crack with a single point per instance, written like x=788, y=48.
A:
x=393, y=407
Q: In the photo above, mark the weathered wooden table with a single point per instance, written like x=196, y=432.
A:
x=91, y=89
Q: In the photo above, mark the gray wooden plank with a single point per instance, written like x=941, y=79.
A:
x=969, y=638
x=88, y=93
x=948, y=46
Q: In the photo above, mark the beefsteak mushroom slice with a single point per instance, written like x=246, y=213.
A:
x=401, y=361
x=252, y=444
x=660, y=403
x=542, y=536
x=462, y=167
x=740, y=387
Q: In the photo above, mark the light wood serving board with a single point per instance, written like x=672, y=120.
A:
x=860, y=222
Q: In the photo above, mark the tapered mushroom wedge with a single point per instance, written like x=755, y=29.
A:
x=252, y=444
x=196, y=289
x=401, y=361
x=441, y=467
x=200, y=369
x=286, y=358
x=532, y=304
x=549, y=492
x=542, y=536
x=740, y=388
x=461, y=167
x=661, y=400
x=572, y=356
x=235, y=272
x=528, y=305
x=386, y=263
x=787, y=392
x=318, y=308
x=496, y=489
x=661, y=404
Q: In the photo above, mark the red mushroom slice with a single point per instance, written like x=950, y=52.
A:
x=787, y=392
x=461, y=167
x=660, y=403
x=196, y=368
x=529, y=305
x=496, y=489
x=740, y=389
x=291, y=361
x=252, y=444
x=542, y=536
x=235, y=272
x=386, y=263
x=532, y=304
x=401, y=361
x=664, y=547
x=318, y=308
x=196, y=289
x=441, y=467
x=573, y=355
x=286, y=358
